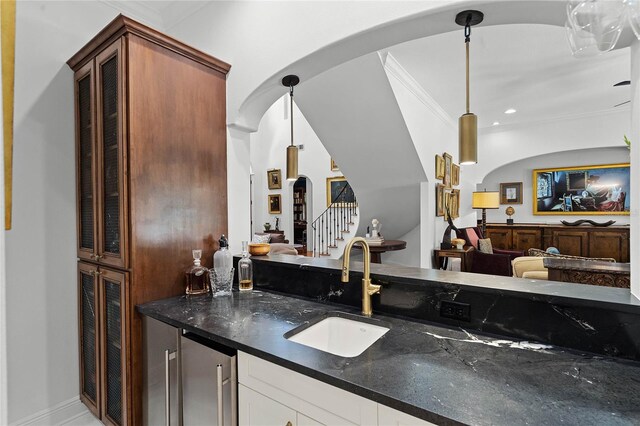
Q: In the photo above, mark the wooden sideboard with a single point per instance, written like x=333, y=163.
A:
x=593, y=272
x=612, y=241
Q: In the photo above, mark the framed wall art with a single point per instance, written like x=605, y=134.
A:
x=334, y=166
x=439, y=167
x=440, y=194
x=448, y=161
x=275, y=203
x=274, y=179
x=511, y=193
x=339, y=191
x=585, y=190
x=455, y=175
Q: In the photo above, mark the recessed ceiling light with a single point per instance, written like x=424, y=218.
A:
x=510, y=111
x=495, y=123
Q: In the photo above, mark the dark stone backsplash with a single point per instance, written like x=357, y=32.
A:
x=585, y=325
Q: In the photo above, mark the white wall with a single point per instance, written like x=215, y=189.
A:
x=268, y=151
x=522, y=171
x=40, y=249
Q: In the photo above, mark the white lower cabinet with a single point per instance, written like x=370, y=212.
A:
x=271, y=395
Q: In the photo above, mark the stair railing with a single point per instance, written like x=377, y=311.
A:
x=333, y=223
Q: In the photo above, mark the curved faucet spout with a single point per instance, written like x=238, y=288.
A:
x=368, y=289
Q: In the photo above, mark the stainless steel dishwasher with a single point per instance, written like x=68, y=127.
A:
x=188, y=380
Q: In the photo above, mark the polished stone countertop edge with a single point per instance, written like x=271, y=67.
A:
x=554, y=291
x=371, y=394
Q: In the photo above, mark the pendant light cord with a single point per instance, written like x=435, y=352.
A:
x=467, y=39
x=291, y=113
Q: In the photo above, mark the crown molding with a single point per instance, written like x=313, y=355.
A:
x=394, y=68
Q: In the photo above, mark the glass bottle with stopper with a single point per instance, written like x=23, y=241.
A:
x=245, y=269
x=197, y=276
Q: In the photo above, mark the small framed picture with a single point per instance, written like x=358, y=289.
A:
x=454, y=203
x=440, y=199
x=455, y=175
x=274, y=179
x=511, y=193
x=275, y=202
x=334, y=166
x=448, y=161
x=439, y=167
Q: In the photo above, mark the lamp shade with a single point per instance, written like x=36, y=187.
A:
x=486, y=200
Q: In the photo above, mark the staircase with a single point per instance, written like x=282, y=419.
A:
x=330, y=227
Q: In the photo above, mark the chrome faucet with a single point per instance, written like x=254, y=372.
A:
x=368, y=289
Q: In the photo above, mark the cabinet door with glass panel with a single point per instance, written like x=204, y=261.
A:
x=89, y=342
x=111, y=157
x=113, y=286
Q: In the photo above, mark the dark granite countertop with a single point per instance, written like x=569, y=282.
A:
x=443, y=375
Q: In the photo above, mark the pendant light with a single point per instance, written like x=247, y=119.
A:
x=292, y=150
x=468, y=123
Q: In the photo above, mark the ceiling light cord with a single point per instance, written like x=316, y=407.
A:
x=291, y=111
x=467, y=40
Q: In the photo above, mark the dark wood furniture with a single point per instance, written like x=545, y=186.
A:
x=612, y=241
x=592, y=272
x=388, y=245
x=151, y=186
x=441, y=257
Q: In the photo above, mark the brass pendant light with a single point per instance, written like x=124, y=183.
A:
x=468, y=123
x=292, y=150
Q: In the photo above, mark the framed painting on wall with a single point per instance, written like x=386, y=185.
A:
x=511, y=193
x=339, y=192
x=274, y=179
x=440, y=199
x=448, y=161
x=275, y=203
x=439, y=167
x=454, y=203
x=334, y=166
x=455, y=175
x=585, y=190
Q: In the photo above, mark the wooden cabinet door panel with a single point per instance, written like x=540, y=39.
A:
x=113, y=310
x=88, y=332
x=574, y=243
x=609, y=244
x=111, y=149
x=86, y=199
x=500, y=238
x=524, y=239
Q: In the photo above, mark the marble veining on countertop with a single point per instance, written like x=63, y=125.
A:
x=440, y=374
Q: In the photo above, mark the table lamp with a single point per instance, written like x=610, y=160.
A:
x=485, y=200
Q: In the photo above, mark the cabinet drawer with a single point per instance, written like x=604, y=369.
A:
x=319, y=401
x=256, y=409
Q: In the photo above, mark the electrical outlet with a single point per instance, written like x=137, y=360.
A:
x=455, y=310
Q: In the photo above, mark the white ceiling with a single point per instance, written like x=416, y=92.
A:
x=162, y=14
x=526, y=67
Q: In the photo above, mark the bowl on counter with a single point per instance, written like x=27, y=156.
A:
x=259, y=249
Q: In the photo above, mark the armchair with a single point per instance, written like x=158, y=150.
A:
x=498, y=263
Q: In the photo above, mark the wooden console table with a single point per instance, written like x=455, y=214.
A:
x=592, y=272
x=586, y=241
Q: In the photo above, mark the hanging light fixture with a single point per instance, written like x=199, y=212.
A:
x=292, y=150
x=468, y=123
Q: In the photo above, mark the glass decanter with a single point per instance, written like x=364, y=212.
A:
x=197, y=276
x=245, y=269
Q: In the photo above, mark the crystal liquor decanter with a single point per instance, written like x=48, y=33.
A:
x=245, y=269
x=197, y=276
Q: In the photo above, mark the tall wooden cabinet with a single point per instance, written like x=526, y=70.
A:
x=151, y=186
